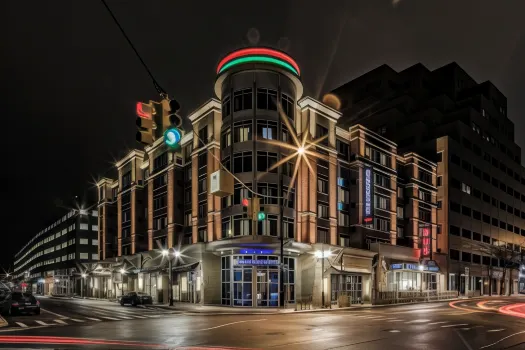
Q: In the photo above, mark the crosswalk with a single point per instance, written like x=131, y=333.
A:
x=410, y=320
x=87, y=314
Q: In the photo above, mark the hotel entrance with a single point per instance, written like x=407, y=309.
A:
x=254, y=280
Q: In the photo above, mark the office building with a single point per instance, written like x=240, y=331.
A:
x=53, y=260
x=447, y=117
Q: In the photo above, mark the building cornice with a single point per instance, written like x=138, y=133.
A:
x=133, y=154
x=320, y=108
x=213, y=105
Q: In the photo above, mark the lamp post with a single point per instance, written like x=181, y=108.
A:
x=322, y=255
x=170, y=254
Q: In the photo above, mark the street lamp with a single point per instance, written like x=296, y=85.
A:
x=170, y=253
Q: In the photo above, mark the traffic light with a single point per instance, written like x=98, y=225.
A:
x=172, y=138
x=145, y=123
x=246, y=207
x=170, y=118
x=261, y=216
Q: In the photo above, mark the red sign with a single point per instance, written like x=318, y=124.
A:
x=426, y=242
x=23, y=285
x=144, y=110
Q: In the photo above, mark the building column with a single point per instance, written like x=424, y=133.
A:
x=133, y=218
x=194, y=194
x=119, y=224
x=170, y=200
x=150, y=215
x=332, y=195
x=213, y=230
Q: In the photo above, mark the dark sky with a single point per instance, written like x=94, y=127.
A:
x=69, y=81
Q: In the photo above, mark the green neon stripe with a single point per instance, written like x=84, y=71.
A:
x=262, y=59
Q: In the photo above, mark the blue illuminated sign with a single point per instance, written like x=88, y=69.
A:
x=256, y=262
x=339, y=206
x=397, y=266
x=368, y=191
x=256, y=251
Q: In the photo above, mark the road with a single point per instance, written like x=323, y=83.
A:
x=465, y=325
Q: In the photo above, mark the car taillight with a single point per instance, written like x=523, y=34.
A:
x=37, y=303
x=15, y=304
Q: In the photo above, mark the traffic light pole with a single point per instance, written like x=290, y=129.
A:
x=281, y=274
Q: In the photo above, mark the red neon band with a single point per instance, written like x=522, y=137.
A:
x=258, y=51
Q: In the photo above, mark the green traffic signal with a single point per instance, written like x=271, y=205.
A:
x=172, y=137
x=261, y=216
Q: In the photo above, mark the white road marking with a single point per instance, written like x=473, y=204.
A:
x=440, y=322
x=43, y=323
x=93, y=319
x=396, y=321
x=61, y=316
x=60, y=321
x=394, y=331
x=137, y=316
x=111, y=318
x=152, y=315
x=455, y=325
x=418, y=321
x=125, y=317
x=499, y=341
x=74, y=319
x=102, y=313
x=23, y=325
x=496, y=330
x=228, y=324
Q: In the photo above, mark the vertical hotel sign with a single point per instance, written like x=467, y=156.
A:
x=368, y=191
x=426, y=242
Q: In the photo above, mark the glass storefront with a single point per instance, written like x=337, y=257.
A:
x=350, y=286
x=411, y=281
x=253, y=280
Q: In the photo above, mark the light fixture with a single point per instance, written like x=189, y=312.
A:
x=57, y=280
x=300, y=150
x=421, y=267
x=318, y=254
x=165, y=252
x=122, y=271
x=177, y=254
x=84, y=275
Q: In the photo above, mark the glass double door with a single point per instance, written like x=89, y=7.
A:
x=267, y=287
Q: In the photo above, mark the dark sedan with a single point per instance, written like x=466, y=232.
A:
x=17, y=302
x=136, y=298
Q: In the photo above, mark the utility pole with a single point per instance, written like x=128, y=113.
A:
x=170, y=279
x=322, y=275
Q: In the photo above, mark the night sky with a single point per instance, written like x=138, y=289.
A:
x=69, y=79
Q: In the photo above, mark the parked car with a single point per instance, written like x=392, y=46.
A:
x=136, y=298
x=13, y=303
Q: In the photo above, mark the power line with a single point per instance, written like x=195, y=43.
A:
x=159, y=89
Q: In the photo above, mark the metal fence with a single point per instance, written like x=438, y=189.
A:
x=412, y=296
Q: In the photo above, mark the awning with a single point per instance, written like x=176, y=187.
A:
x=350, y=271
x=185, y=268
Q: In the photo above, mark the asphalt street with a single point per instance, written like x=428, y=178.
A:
x=472, y=324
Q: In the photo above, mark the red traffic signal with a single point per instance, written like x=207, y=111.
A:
x=245, y=202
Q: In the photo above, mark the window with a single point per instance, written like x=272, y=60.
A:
x=268, y=192
x=378, y=156
x=84, y=256
x=322, y=185
x=160, y=161
x=322, y=211
x=94, y=227
x=268, y=226
x=424, y=215
x=265, y=160
x=84, y=241
x=202, y=185
x=84, y=226
x=440, y=181
x=400, y=212
x=343, y=219
x=242, y=100
x=425, y=196
x=465, y=188
x=425, y=177
x=321, y=131
x=322, y=236
x=266, y=99
x=381, y=202
x=241, y=226
x=241, y=192
x=94, y=256
x=242, y=131
x=267, y=129
x=94, y=242
x=242, y=162
x=382, y=224
x=381, y=180
x=288, y=228
x=343, y=148
x=226, y=138
x=226, y=106
x=287, y=104
x=202, y=209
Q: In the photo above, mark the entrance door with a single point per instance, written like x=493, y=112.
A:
x=267, y=287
